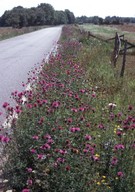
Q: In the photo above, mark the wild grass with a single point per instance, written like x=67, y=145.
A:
x=8, y=32
x=76, y=131
x=108, y=31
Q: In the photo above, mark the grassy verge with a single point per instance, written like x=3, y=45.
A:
x=76, y=132
x=109, y=31
x=8, y=32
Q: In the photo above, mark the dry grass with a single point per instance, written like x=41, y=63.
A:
x=7, y=32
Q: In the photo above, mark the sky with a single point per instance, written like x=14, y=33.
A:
x=101, y=8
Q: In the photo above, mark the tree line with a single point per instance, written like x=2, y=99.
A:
x=43, y=14
x=108, y=20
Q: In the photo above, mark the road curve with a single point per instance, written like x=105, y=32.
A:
x=18, y=56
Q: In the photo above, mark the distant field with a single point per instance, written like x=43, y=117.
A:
x=109, y=31
x=7, y=32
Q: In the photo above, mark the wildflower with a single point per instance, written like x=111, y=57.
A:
x=88, y=137
x=119, y=146
x=5, y=104
x=35, y=137
x=96, y=157
x=45, y=146
x=40, y=156
x=74, y=129
x=32, y=150
x=98, y=183
x=67, y=168
x=5, y=139
x=114, y=161
x=60, y=160
x=55, y=104
x=26, y=190
x=29, y=182
x=120, y=174
x=29, y=170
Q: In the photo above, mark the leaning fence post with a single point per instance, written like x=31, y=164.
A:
x=115, y=51
x=124, y=60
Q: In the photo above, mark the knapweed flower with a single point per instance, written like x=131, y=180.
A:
x=46, y=146
x=88, y=137
x=55, y=104
x=118, y=147
x=96, y=157
x=114, y=161
x=4, y=139
x=74, y=129
x=120, y=174
x=32, y=150
x=40, y=156
x=35, y=137
x=29, y=182
x=67, y=168
x=26, y=190
x=5, y=104
x=29, y=170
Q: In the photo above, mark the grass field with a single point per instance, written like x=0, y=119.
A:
x=109, y=31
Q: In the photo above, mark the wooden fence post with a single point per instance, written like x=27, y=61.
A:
x=116, y=50
x=124, y=60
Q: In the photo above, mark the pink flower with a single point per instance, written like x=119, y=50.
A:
x=74, y=110
x=74, y=129
x=32, y=150
x=35, y=137
x=5, y=139
x=5, y=104
x=55, y=104
x=40, y=156
x=29, y=182
x=26, y=190
x=29, y=170
x=119, y=146
x=67, y=168
x=88, y=137
x=114, y=161
x=120, y=174
x=45, y=146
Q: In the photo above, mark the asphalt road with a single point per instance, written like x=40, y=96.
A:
x=18, y=56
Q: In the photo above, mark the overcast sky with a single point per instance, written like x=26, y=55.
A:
x=102, y=8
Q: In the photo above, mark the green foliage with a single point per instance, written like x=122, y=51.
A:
x=72, y=134
x=43, y=14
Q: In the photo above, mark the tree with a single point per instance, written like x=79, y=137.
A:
x=48, y=11
x=70, y=17
x=60, y=17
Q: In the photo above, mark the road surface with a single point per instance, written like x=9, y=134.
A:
x=18, y=56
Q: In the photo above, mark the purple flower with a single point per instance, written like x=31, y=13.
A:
x=114, y=161
x=35, y=137
x=45, y=146
x=29, y=182
x=29, y=170
x=88, y=137
x=120, y=174
x=74, y=129
x=119, y=146
x=26, y=190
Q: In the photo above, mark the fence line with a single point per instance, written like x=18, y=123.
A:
x=119, y=42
